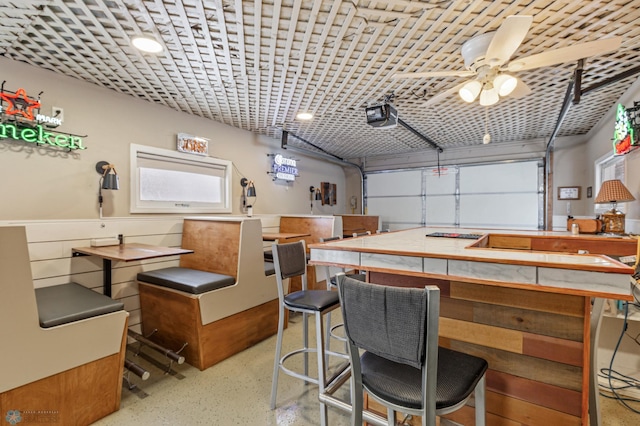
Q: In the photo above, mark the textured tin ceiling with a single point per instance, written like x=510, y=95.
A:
x=254, y=65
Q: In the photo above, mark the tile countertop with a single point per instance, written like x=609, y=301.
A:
x=411, y=250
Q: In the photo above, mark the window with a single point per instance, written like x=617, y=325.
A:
x=164, y=181
x=608, y=167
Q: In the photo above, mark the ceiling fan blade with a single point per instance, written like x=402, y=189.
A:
x=428, y=74
x=507, y=39
x=520, y=91
x=565, y=54
x=443, y=95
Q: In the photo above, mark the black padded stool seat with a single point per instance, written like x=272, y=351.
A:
x=401, y=384
x=360, y=277
x=268, y=256
x=269, y=268
x=185, y=279
x=317, y=300
x=64, y=303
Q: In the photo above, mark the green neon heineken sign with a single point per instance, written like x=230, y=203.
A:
x=39, y=136
x=25, y=123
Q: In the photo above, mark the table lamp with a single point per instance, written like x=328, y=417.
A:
x=614, y=192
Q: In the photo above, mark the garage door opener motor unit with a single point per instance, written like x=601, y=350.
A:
x=382, y=116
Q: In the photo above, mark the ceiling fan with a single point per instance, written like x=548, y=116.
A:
x=489, y=67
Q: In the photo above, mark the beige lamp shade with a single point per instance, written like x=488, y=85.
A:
x=613, y=191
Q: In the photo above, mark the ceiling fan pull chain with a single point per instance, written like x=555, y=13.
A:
x=486, y=119
x=487, y=137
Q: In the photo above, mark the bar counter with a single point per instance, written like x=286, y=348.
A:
x=520, y=299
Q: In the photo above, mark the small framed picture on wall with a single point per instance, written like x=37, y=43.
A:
x=568, y=193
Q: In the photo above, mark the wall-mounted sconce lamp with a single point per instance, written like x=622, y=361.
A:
x=248, y=190
x=318, y=196
x=108, y=179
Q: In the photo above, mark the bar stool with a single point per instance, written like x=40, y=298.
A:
x=331, y=285
x=290, y=261
x=395, y=357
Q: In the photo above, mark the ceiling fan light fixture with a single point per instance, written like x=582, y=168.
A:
x=470, y=91
x=505, y=84
x=489, y=97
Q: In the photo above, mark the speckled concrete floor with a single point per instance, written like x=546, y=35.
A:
x=233, y=392
x=237, y=390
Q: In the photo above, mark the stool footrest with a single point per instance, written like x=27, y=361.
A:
x=156, y=347
x=136, y=369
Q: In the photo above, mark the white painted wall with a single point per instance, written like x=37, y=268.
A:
x=42, y=183
x=574, y=165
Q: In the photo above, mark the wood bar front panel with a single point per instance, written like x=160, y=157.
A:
x=560, y=244
x=533, y=341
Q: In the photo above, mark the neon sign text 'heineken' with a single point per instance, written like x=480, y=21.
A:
x=39, y=135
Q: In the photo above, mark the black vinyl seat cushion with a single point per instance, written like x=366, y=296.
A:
x=360, y=277
x=65, y=303
x=188, y=280
x=400, y=384
x=268, y=256
x=269, y=268
x=316, y=300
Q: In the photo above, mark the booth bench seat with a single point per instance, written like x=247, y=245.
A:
x=219, y=301
x=188, y=280
x=65, y=351
x=65, y=303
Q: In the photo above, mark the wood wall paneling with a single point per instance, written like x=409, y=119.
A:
x=554, y=397
x=520, y=298
x=537, y=322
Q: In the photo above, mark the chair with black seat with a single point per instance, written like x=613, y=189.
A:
x=290, y=261
x=333, y=284
x=402, y=366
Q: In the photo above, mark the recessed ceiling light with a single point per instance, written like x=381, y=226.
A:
x=147, y=44
x=304, y=116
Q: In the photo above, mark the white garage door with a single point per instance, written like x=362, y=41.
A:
x=500, y=195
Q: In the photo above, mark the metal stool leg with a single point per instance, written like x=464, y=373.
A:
x=479, y=395
x=305, y=341
x=321, y=366
x=276, y=361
